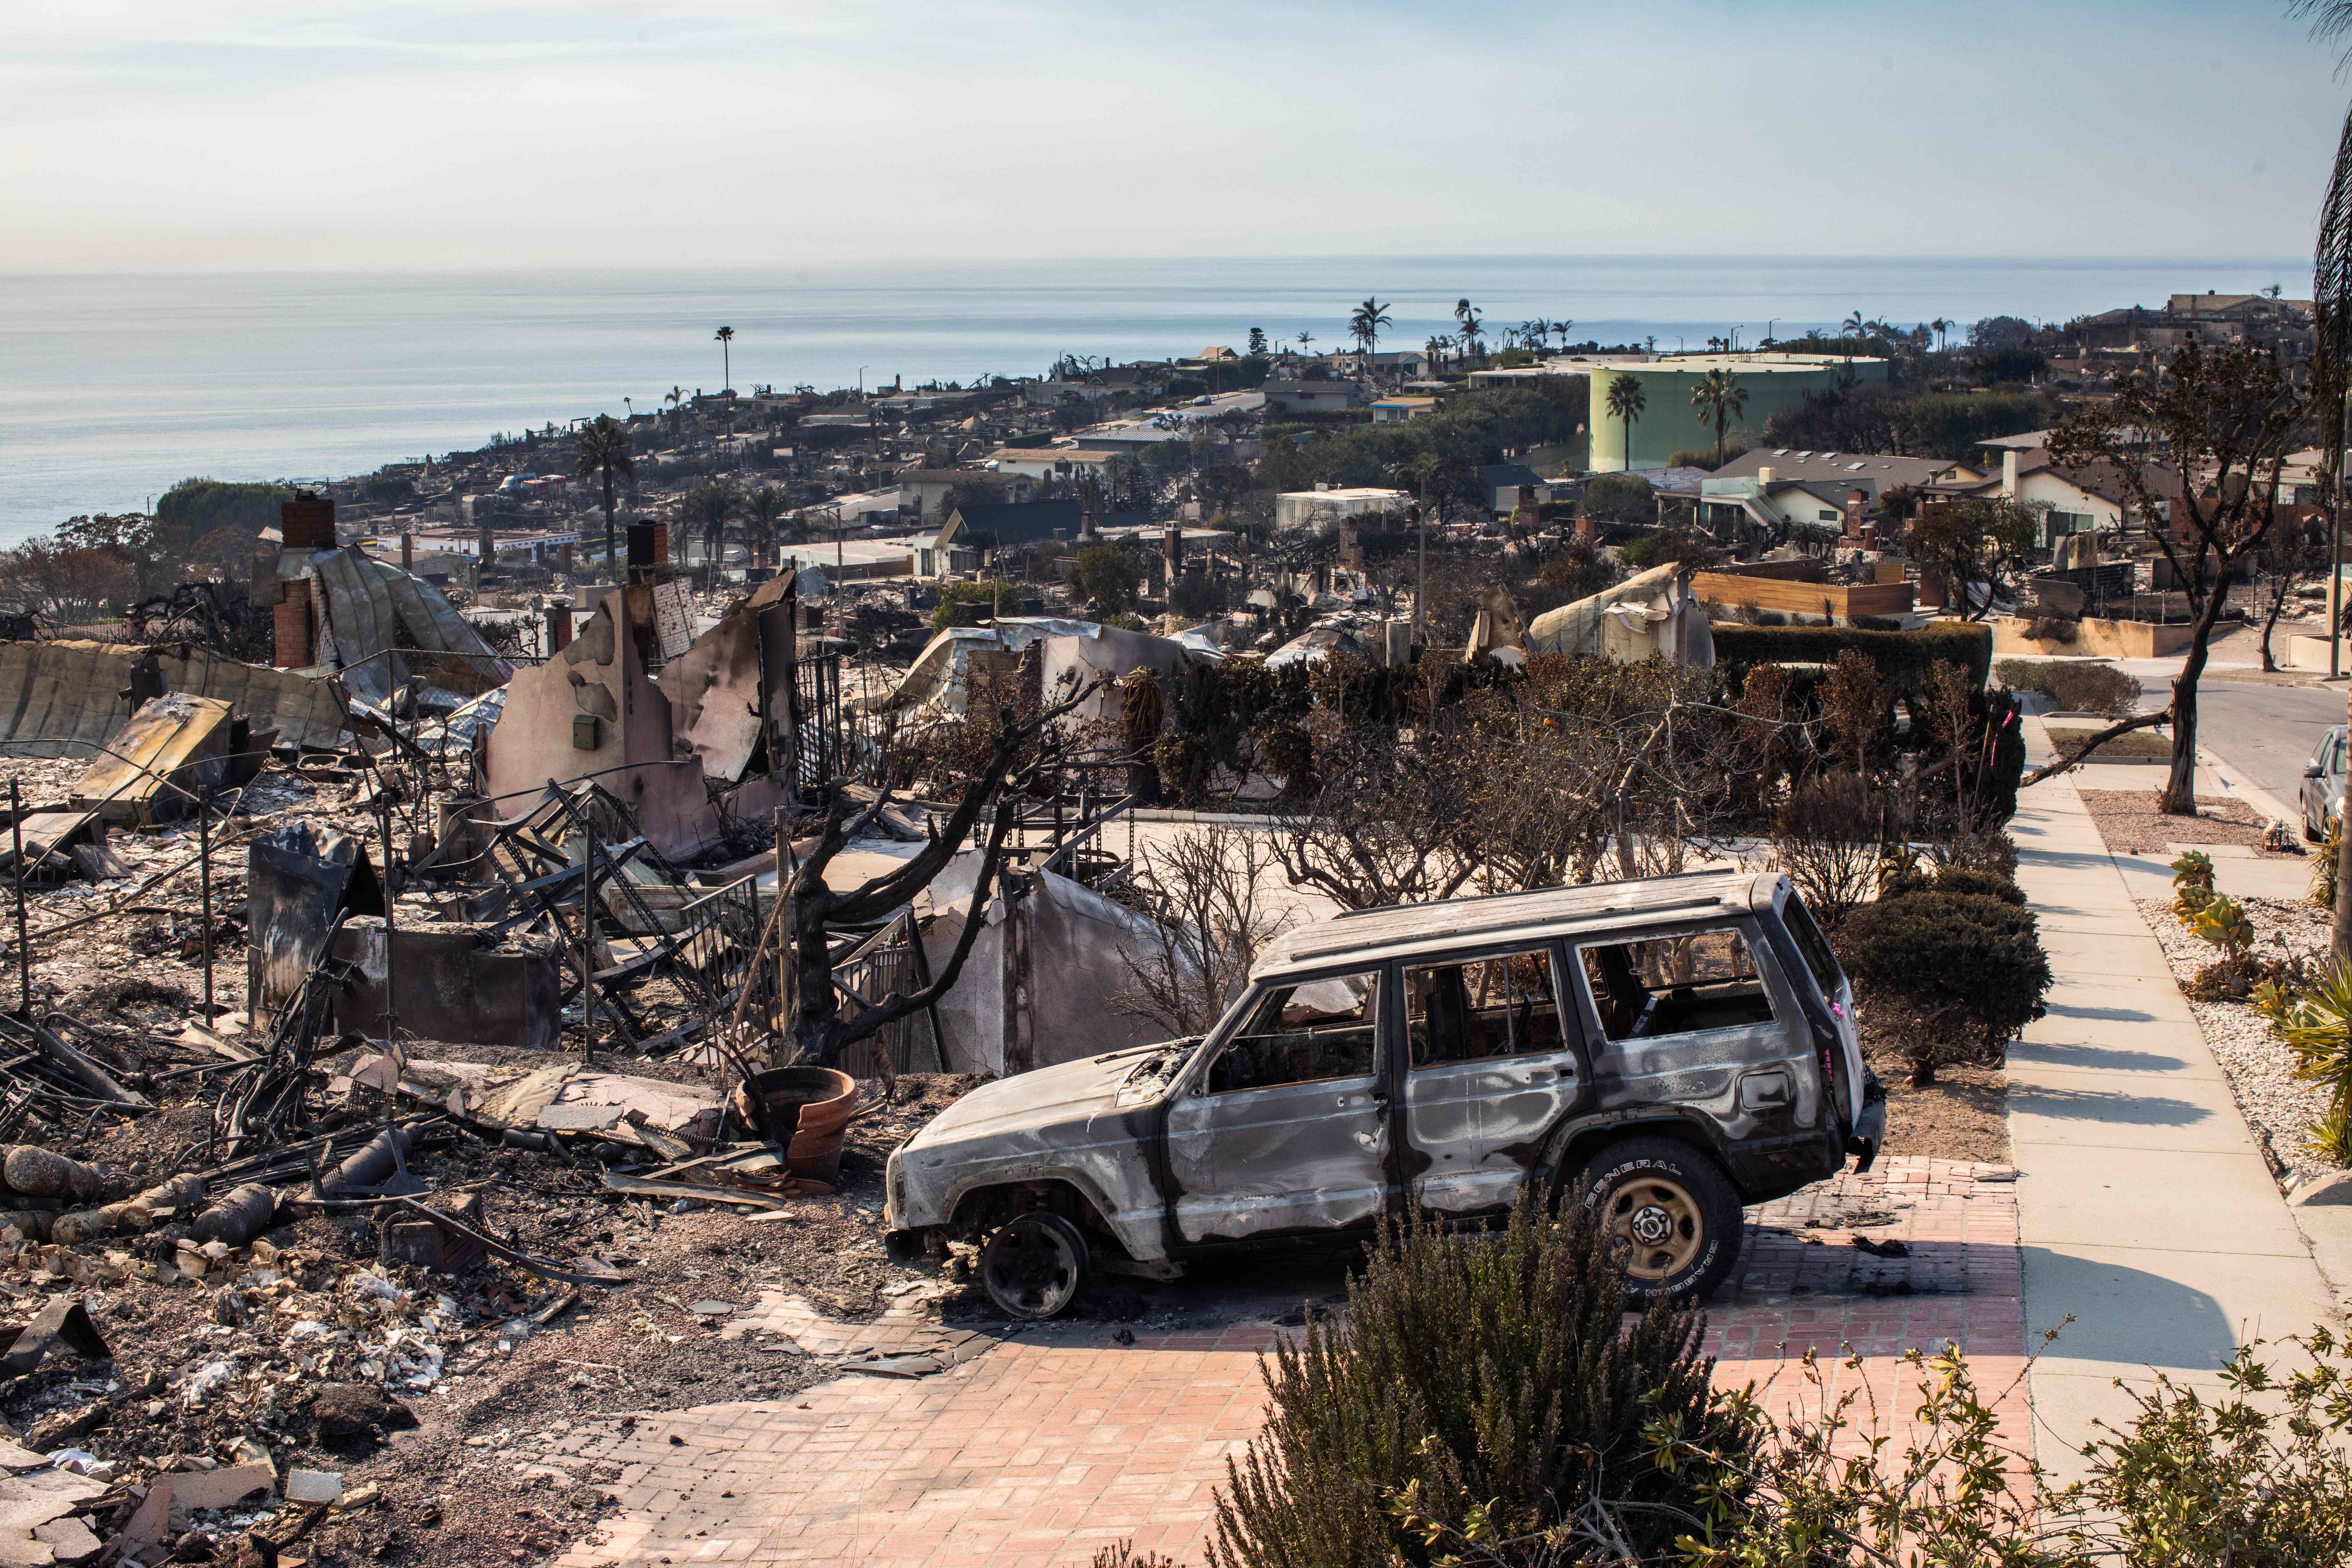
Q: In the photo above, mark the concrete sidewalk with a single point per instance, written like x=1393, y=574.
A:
x=2144, y=1211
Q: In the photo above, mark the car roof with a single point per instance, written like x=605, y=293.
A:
x=1403, y=929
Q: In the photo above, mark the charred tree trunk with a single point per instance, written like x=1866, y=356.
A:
x=2179, y=797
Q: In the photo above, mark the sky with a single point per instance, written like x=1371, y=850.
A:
x=240, y=134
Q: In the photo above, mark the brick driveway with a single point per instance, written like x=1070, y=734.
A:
x=1041, y=1448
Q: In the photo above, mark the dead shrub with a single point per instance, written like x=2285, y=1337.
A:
x=1829, y=836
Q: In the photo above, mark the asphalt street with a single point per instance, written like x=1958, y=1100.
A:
x=2268, y=732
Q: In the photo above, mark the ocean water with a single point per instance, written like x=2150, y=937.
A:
x=113, y=387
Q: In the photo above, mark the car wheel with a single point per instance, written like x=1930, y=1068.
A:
x=1032, y=1267
x=1671, y=1212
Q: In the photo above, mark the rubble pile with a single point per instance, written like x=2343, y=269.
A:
x=392, y=1065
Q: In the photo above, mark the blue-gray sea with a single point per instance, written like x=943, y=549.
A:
x=113, y=387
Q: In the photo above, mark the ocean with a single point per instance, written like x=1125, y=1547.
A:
x=114, y=387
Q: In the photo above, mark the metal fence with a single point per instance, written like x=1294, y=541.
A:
x=819, y=759
x=718, y=939
x=891, y=960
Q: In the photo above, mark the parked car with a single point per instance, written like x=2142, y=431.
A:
x=2322, y=785
x=1660, y=1051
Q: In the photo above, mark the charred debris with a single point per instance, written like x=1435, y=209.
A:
x=543, y=957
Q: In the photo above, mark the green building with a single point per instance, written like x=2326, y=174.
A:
x=1668, y=423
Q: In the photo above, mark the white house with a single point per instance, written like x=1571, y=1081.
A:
x=1321, y=506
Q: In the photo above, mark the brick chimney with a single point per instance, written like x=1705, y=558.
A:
x=307, y=522
x=290, y=626
x=407, y=551
x=1171, y=546
x=1853, y=505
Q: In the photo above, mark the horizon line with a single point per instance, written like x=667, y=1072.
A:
x=2059, y=259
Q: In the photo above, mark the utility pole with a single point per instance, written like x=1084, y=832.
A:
x=1420, y=580
x=2334, y=469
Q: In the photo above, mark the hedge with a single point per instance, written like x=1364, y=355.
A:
x=1905, y=658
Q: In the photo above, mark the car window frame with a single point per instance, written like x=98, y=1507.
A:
x=1788, y=1010
x=1388, y=988
x=1570, y=1018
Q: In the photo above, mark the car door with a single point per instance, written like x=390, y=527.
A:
x=1284, y=1128
x=2322, y=784
x=1700, y=1020
x=1490, y=1065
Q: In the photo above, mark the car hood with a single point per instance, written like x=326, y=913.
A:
x=1047, y=1097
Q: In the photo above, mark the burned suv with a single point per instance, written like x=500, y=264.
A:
x=1660, y=1051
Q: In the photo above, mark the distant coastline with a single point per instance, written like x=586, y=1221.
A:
x=118, y=386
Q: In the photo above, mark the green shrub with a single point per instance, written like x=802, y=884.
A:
x=1954, y=880
x=2192, y=882
x=1483, y=1388
x=2322, y=888
x=2225, y=925
x=2256, y=1474
x=1905, y=660
x=2075, y=686
x=1107, y=573
x=1676, y=544
x=1954, y=975
x=2318, y=1029
x=967, y=603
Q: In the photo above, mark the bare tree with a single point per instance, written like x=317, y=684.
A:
x=2296, y=549
x=1210, y=923
x=1385, y=826
x=2219, y=424
x=1829, y=837
x=818, y=1030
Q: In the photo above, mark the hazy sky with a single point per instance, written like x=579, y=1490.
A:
x=233, y=134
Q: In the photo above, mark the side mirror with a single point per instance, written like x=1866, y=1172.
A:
x=2311, y=769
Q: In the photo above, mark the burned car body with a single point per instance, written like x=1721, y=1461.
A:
x=1663, y=1050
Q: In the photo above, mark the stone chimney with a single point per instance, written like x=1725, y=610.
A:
x=1171, y=546
x=1855, y=500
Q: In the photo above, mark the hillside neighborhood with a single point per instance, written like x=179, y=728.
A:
x=1027, y=972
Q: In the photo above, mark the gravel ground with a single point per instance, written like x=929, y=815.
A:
x=2129, y=822
x=2262, y=1074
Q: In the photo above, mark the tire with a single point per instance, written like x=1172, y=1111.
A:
x=1033, y=1265
x=1672, y=1211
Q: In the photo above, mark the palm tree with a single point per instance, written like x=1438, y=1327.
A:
x=1305, y=338
x=726, y=336
x=1561, y=327
x=603, y=454
x=1436, y=348
x=1853, y=326
x=1626, y=401
x=764, y=509
x=707, y=506
x=1717, y=398
x=675, y=398
x=1467, y=314
x=1366, y=323
x=1939, y=327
